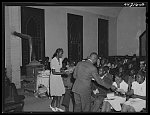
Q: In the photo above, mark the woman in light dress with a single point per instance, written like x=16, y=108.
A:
x=119, y=86
x=138, y=94
x=57, y=88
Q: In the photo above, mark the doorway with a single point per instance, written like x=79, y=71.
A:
x=32, y=23
x=75, y=37
x=102, y=37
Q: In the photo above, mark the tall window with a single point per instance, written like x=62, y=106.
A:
x=32, y=23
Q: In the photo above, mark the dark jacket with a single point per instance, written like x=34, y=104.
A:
x=84, y=72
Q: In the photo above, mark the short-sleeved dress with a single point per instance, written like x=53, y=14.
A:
x=56, y=83
x=115, y=103
x=137, y=103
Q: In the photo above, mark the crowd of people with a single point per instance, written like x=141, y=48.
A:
x=98, y=84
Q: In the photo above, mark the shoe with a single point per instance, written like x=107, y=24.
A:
x=61, y=110
x=53, y=109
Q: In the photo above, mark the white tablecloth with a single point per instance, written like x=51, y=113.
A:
x=44, y=80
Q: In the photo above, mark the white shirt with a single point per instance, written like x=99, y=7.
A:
x=139, y=89
x=123, y=85
x=55, y=64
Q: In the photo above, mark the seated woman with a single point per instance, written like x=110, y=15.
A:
x=138, y=95
x=119, y=87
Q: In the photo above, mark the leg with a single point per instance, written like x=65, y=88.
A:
x=104, y=106
x=77, y=106
x=124, y=108
x=53, y=101
x=66, y=99
x=58, y=101
x=86, y=102
x=108, y=107
x=131, y=109
x=73, y=99
x=97, y=103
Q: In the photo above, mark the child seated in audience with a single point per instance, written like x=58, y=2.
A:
x=119, y=87
x=138, y=95
x=99, y=92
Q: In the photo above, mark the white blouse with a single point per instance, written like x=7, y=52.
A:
x=139, y=89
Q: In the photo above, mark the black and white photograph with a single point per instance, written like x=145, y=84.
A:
x=74, y=57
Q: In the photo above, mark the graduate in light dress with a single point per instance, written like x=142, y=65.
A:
x=138, y=95
x=57, y=88
x=117, y=98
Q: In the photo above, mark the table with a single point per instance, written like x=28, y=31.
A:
x=44, y=80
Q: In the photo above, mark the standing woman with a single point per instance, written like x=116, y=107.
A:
x=56, y=83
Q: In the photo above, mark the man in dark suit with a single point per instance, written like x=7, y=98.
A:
x=84, y=72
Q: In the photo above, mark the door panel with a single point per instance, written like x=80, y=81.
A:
x=75, y=37
x=103, y=37
x=32, y=23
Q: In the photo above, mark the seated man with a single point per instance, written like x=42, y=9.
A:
x=99, y=92
x=119, y=87
x=138, y=95
x=97, y=96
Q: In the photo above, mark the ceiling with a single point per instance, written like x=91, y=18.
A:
x=106, y=11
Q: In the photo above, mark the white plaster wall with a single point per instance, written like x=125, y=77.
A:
x=56, y=30
x=13, y=53
x=55, y=35
x=112, y=36
x=130, y=25
x=7, y=44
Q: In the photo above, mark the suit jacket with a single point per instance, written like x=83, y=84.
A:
x=84, y=72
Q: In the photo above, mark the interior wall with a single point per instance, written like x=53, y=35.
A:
x=112, y=36
x=56, y=30
x=130, y=25
x=13, y=53
x=55, y=35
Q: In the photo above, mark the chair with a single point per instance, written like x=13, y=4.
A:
x=13, y=102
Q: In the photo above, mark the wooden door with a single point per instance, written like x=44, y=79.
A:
x=32, y=23
x=75, y=37
x=103, y=37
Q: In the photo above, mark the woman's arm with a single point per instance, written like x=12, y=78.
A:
x=113, y=88
x=138, y=96
x=58, y=73
x=130, y=92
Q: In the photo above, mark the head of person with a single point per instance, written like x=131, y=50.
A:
x=71, y=63
x=121, y=68
x=140, y=77
x=105, y=69
x=130, y=66
x=58, y=53
x=93, y=57
x=65, y=62
x=118, y=78
x=133, y=72
x=46, y=59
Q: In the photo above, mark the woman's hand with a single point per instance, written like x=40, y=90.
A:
x=113, y=88
x=121, y=91
x=130, y=92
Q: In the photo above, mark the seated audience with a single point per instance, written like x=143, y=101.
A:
x=119, y=87
x=138, y=95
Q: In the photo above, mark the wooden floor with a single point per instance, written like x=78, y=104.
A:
x=33, y=104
